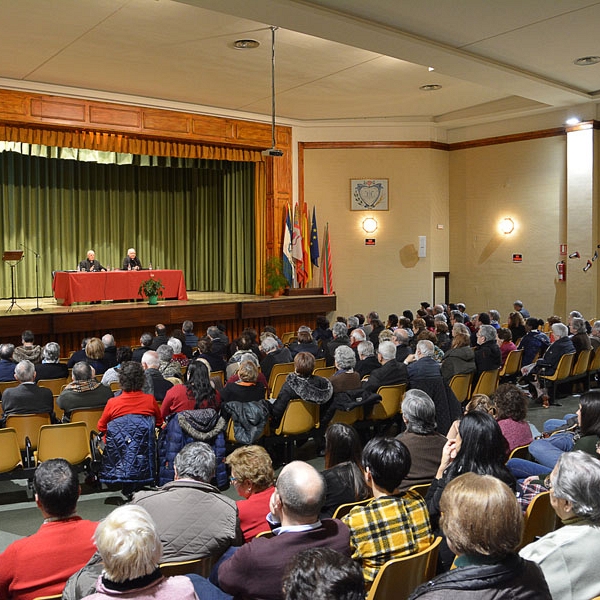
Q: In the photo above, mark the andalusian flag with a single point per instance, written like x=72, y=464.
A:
x=327, y=267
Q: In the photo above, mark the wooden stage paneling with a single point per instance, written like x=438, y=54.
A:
x=128, y=320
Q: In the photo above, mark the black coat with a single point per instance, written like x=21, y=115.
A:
x=391, y=373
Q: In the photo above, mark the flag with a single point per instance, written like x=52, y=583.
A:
x=326, y=267
x=297, y=248
x=314, y=240
x=306, y=265
x=288, y=261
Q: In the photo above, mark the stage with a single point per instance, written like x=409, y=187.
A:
x=67, y=325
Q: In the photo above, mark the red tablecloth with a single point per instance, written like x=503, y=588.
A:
x=113, y=285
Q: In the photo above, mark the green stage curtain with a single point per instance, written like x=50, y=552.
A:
x=198, y=217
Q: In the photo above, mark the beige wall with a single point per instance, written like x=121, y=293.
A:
x=387, y=277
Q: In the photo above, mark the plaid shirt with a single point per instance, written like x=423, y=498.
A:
x=386, y=528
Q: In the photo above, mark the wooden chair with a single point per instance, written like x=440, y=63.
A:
x=55, y=385
x=399, y=577
x=520, y=452
x=89, y=416
x=287, y=336
x=563, y=370
x=199, y=566
x=115, y=386
x=512, y=365
x=98, y=377
x=279, y=368
x=461, y=384
x=278, y=384
x=343, y=509
x=220, y=374
x=580, y=368
x=58, y=411
x=420, y=488
x=540, y=519
x=265, y=534
x=326, y=372
x=391, y=402
x=487, y=382
x=28, y=433
x=319, y=362
x=594, y=368
x=4, y=385
x=70, y=441
x=10, y=454
x=299, y=418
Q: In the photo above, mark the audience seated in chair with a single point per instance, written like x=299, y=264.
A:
x=28, y=350
x=51, y=367
x=155, y=383
x=7, y=364
x=274, y=355
x=391, y=371
x=460, y=358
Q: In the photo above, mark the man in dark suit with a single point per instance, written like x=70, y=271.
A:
x=26, y=398
x=90, y=263
x=7, y=364
x=145, y=341
x=160, y=336
x=131, y=262
x=155, y=383
x=51, y=367
x=391, y=371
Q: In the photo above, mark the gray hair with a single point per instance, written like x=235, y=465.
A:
x=419, y=411
x=345, y=358
x=596, y=325
x=151, y=358
x=196, y=461
x=129, y=543
x=578, y=325
x=146, y=339
x=302, y=489
x=249, y=356
x=366, y=348
x=353, y=322
x=269, y=344
x=187, y=327
x=51, y=352
x=494, y=315
x=6, y=351
x=488, y=332
x=577, y=480
x=387, y=350
x=25, y=371
x=175, y=344
x=304, y=328
x=108, y=340
x=401, y=335
x=358, y=335
x=425, y=348
x=560, y=330
x=213, y=332
x=165, y=353
x=460, y=328
x=82, y=371
x=339, y=329
x=440, y=317
x=575, y=313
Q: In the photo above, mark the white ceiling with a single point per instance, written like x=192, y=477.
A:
x=336, y=59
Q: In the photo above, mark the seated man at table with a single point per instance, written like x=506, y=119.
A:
x=90, y=263
x=131, y=262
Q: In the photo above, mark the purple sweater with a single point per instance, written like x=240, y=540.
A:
x=517, y=433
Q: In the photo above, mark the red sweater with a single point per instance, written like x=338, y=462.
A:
x=39, y=565
x=180, y=398
x=253, y=513
x=129, y=403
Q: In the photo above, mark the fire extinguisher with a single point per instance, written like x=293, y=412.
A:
x=561, y=269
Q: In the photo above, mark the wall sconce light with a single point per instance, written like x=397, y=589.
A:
x=369, y=225
x=507, y=226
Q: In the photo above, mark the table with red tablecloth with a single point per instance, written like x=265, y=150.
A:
x=73, y=286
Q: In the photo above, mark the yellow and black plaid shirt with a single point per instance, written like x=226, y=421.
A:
x=386, y=528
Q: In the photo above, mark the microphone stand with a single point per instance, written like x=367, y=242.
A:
x=37, y=279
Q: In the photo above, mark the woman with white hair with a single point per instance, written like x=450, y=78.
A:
x=568, y=556
x=345, y=378
x=131, y=551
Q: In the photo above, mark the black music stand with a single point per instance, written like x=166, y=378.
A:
x=13, y=258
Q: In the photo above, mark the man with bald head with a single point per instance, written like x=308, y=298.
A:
x=256, y=570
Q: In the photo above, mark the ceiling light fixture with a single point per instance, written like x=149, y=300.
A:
x=273, y=151
x=430, y=87
x=586, y=61
x=246, y=44
x=573, y=121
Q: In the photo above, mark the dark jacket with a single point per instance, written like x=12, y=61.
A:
x=51, y=371
x=156, y=384
x=391, y=373
x=367, y=365
x=424, y=368
x=27, y=398
x=457, y=361
x=311, y=347
x=281, y=355
x=514, y=578
x=487, y=357
x=532, y=343
x=7, y=370
x=311, y=389
x=447, y=407
x=341, y=340
x=553, y=355
x=249, y=419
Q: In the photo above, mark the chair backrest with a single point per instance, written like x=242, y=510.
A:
x=220, y=374
x=563, y=369
x=278, y=384
x=420, y=488
x=326, y=372
x=287, y=336
x=595, y=361
x=343, y=509
x=115, y=386
x=581, y=365
x=487, y=382
x=199, y=566
x=349, y=417
x=540, y=518
x=4, y=385
x=28, y=426
x=70, y=441
x=10, y=454
x=89, y=416
x=319, y=362
x=520, y=452
x=279, y=368
x=55, y=385
x=391, y=401
x=512, y=363
x=460, y=384
x=53, y=597
x=299, y=417
x=399, y=577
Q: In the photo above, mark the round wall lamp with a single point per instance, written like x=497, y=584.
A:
x=369, y=225
x=507, y=226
